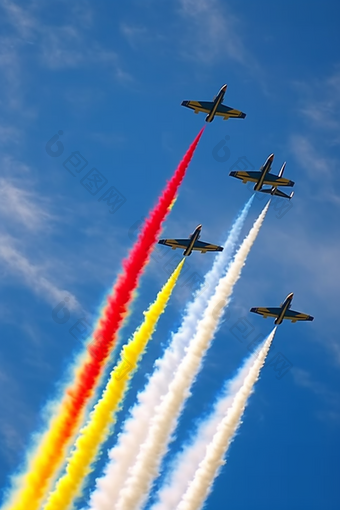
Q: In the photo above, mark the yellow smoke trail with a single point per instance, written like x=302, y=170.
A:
x=103, y=416
x=172, y=203
x=30, y=491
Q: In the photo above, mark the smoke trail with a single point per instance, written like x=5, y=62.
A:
x=146, y=468
x=98, y=427
x=208, y=469
x=135, y=428
x=186, y=462
x=184, y=465
x=49, y=456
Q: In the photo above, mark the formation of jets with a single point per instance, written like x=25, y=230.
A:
x=262, y=177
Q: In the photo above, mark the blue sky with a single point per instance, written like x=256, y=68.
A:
x=112, y=76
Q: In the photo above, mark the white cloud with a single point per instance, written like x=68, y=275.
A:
x=329, y=397
x=320, y=103
x=66, y=46
x=321, y=171
x=21, y=19
x=54, y=46
x=9, y=134
x=308, y=157
x=82, y=11
x=62, y=47
x=14, y=415
x=11, y=73
x=22, y=206
x=314, y=148
x=33, y=275
x=313, y=260
x=134, y=34
x=24, y=211
x=213, y=32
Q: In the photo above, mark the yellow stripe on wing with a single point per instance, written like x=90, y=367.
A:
x=197, y=106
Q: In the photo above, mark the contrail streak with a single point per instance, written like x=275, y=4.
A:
x=103, y=415
x=49, y=456
x=146, y=468
x=136, y=426
x=208, y=469
x=186, y=462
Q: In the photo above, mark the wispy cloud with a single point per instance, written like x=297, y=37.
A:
x=330, y=397
x=14, y=415
x=320, y=103
x=134, y=34
x=309, y=158
x=10, y=70
x=9, y=134
x=313, y=265
x=21, y=19
x=24, y=211
x=22, y=206
x=321, y=169
x=66, y=46
x=54, y=46
x=213, y=31
x=32, y=274
x=63, y=47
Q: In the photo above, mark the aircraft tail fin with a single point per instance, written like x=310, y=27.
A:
x=280, y=193
x=277, y=192
x=280, y=174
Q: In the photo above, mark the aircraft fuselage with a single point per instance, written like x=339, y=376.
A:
x=193, y=238
x=265, y=169
x=285, y=306
x=217, y=101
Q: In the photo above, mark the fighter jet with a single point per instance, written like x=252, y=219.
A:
x=190, y=244
x=263, y=176
x=214, y=107
x=276, y=191
x=283, y=312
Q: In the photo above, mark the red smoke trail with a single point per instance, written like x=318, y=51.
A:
x=117, y=307
x=51, y=451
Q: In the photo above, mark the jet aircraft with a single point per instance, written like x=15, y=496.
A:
x=283, y=312
x=214, y=107
x=263, y=176
x=190, y=244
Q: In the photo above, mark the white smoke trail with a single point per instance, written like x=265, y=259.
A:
x=164, y=421
x=135, y=429
x=208, y=469
x=184, y=466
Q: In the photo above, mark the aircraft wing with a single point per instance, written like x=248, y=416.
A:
x=275, y=312
x=270, y=179
x=206, y=106
x=204, y=247
x=297, y=316
x=226, y=112
x=275, y=180
x=175, y=243
x=267, y=312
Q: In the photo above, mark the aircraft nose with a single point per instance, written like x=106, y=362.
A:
x=271, y=157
